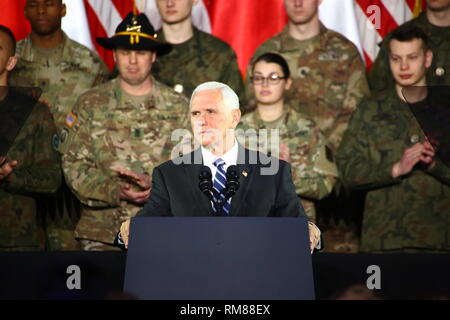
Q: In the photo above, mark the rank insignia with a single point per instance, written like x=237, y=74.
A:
x=70, y=119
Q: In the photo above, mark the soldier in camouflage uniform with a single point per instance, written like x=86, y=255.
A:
x=196, y=56
x=300, y=141
x=329, y=80
x=435, y=22
x=327, y=72
x=385, y=152
x=120, y=131
x=30, y=167
x=63, y=69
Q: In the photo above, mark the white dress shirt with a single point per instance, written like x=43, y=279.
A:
x=230, y=158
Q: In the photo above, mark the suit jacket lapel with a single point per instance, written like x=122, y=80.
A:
x=245, y=179
x=202, y=204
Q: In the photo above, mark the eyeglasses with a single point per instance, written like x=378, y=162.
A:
x=273, y=78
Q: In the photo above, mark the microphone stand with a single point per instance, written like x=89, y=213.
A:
x=232, y=185
x=206, y=186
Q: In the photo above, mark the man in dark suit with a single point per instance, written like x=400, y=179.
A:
x=265, y=183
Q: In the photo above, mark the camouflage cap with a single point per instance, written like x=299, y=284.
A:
x=135, y=32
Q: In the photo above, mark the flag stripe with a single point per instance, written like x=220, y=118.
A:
x=98, y=31
x=246, y=24
x=12, y=16
x=378, y=15
x=123, y=7
x=369, y=38
x=107, y=14
x=411, y=4
x=398, y=13
x=392, y=13
x=369, y=60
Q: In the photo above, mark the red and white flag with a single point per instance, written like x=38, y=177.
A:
x=12, y=16
x=244, y=24
x=376, y=18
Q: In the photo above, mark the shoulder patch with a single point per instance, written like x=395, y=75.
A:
x=55, y=142
x=71, y=119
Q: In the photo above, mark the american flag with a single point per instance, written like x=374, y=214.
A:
x=377, y=17
x=244, y=24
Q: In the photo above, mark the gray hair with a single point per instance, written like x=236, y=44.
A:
x=229, y=97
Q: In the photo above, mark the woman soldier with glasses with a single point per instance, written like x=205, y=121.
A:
x=275, y=128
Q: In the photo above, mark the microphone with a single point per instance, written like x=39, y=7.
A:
x=232, y=184
x=205, y=182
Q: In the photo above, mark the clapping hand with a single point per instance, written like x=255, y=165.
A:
x=125, y=232
x=126, y=192
x=314, y=236
x=144, y=181
x=420, y=152
x=285, y=152
x=6, y=168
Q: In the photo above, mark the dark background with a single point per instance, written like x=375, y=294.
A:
x=42, y=275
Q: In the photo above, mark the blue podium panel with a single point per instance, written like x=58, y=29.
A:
x=219, y=258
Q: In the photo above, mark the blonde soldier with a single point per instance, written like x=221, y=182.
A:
x=276, y=128
x=63, y=69
x=121, y=130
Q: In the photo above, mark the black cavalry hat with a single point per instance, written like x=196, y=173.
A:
x=135, y=32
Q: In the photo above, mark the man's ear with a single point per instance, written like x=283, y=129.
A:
x=428, y=58
x=236, y=116
x=12, y=61
x=63, y=10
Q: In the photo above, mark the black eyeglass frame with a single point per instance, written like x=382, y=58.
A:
x=269, y=79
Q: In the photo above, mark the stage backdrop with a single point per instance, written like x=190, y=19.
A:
x=244, y=24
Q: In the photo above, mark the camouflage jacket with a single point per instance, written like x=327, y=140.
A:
x=313, y=174
x=438, y=74
x=38, y=172
x=111, y=132
x=329, y=78
x=408, y=212
x=202, y=58
x=63, y=76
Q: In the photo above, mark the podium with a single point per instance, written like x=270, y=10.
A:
x=219, y=258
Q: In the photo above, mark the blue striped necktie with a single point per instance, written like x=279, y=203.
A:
x=220, y=181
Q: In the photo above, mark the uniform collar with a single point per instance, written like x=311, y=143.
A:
x=435, y=33
x=288, y=43
x=195, y=34
x=28, y=51
x=118, y=91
